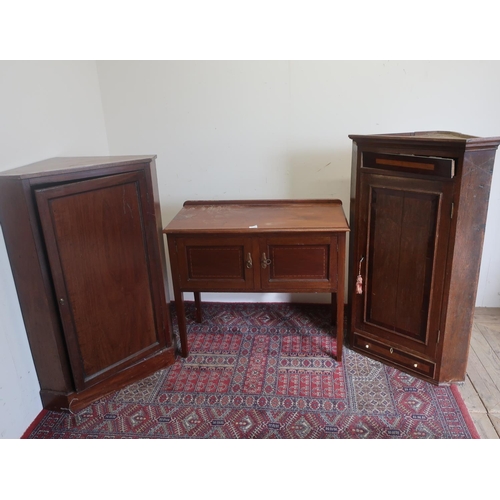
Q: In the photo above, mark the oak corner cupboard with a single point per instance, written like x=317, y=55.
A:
x=83, y=236
x=418, y=211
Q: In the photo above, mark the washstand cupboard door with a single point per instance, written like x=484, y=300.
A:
x=402, y=246
x=307, y=262
x=215, y=263
x=96, y=234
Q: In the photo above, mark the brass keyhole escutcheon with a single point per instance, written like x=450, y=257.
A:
x=265, y=261
x=249, y=262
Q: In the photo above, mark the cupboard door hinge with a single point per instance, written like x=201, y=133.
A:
x=452, y=210
x=438, y=337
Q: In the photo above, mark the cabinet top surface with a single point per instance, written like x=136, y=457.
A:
x=431, y=137
x=258, y=216
x=62, y=164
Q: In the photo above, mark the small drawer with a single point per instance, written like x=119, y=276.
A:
x=422, y=165
x=394, y=356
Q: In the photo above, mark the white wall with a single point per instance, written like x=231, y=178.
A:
x=47, y=109
x=488, y=292
x=277, y=129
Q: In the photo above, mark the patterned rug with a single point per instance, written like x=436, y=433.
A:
x=268, y=371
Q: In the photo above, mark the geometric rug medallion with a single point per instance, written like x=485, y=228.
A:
x=259, y=371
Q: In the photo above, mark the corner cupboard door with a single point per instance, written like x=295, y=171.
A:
x=96, y=235
x=404, y=226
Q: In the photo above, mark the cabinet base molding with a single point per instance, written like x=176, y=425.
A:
x=394, y=356
x=75, y=402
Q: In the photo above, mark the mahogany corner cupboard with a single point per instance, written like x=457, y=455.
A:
x=418, y=211
x=83, y=237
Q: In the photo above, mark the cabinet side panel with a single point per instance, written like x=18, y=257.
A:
x=33, y=285
x=352, y=239
x=158, y=256
x=471, y=211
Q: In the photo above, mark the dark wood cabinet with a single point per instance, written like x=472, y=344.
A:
x=418, y=211
x=258, y=246
x=84, y=241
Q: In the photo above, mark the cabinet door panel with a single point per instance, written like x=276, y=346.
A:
x=219, y=264
x=403, y=236
x=400, y=259
x=96, y=237
x=291, y=265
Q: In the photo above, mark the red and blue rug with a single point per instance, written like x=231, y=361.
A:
x=263, y=371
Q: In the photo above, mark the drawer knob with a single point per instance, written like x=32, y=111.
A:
x=265, y=261
x=391, y=350
x=249, y=262
x=367, y=346
x=415, y=365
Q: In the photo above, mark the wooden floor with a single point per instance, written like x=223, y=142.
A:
x=481, y=390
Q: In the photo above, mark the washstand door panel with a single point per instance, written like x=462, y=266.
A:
x=289, y=263
x=402, y=246
x=96, y=233
x=211, y=263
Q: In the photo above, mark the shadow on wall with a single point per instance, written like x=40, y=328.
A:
x=320, y=175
